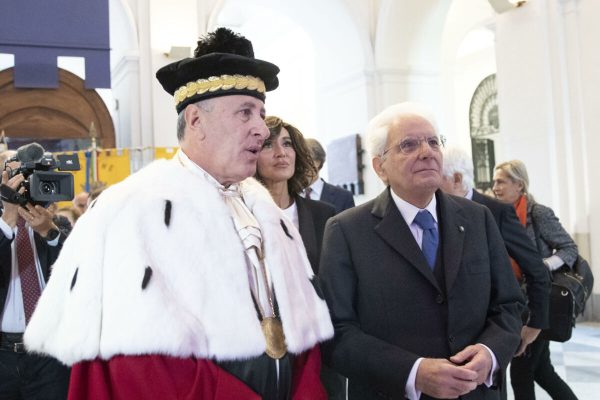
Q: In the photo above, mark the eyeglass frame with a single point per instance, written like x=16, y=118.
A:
x=421, y=139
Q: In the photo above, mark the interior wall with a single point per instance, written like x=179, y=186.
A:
x=471, y=69
x=168, y=27
x=588, y=30
x=526, y=97
x=408, y=52
x=125, y=81
x=407, y=46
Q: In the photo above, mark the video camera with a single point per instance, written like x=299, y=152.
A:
x=42, y=184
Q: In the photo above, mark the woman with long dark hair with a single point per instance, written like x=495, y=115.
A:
x=286, y=168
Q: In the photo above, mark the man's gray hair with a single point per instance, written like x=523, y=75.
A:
x=316, y=151
x=379, y=127
x=456, y=160
x=206, y=105
x=181, y=125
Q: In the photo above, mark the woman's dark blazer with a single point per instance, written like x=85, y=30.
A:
x=551, y=238
x=312, y=216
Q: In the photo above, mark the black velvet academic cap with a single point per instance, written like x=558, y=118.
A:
x=223, y=64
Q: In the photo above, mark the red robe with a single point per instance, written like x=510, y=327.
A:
x=169, y=378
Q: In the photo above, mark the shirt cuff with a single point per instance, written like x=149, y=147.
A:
x=490, y=379
x=54, y=242
x=411, y=391
x=6, y=230
x=554, y=262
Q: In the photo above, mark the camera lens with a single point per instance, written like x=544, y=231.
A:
x=47, y=187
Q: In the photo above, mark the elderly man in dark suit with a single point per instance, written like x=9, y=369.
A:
x=338, y=197
x=458, y=180
x=419, y=283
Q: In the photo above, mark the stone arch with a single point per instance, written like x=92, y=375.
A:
x=63, y=113
x=407, y=50
x=468, y=24
x=334, y=87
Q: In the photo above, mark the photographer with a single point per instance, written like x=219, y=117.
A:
x=24, y=272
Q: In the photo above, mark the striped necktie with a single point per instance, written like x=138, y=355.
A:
x=308, y=192
x=30, y=283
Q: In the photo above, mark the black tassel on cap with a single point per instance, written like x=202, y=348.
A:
x=224, y=40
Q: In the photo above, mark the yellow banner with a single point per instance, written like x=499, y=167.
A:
x=114, y=165
x=164, y=152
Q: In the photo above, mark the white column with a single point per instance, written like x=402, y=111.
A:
x=145, y=136
x=126, y=91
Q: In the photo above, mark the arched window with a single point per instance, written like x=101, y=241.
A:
x=485, y=126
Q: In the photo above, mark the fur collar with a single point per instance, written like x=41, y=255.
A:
x=156, y=267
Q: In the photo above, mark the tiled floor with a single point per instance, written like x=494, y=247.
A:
x=578, y=362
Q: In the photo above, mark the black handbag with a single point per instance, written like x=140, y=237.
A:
x=570, y=290
x=571, y=287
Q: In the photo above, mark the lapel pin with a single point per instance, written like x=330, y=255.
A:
x=461, y=228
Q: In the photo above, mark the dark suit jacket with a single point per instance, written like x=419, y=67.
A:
x=46, y=254
x=340, y=198
x=388, y=308
x=312, y=216
x=522, y=249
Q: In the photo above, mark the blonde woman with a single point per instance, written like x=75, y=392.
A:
x=511, y=185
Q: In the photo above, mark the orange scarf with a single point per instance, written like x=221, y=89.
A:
x=521, y=209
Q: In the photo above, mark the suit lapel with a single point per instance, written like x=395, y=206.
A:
x=451, y=223
x=394, y=231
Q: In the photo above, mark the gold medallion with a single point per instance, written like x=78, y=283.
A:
x=273, y=332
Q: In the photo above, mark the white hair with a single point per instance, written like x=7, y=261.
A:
x=456, y=160
x=379, y=127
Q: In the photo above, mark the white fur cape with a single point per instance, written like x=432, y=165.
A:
x=197, y=300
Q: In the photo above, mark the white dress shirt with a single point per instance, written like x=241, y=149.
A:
x=292, y=213
x=317, y=189
x=13, y=315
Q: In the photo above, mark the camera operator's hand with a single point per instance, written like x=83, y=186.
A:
x=10, y=210
x=38, y=218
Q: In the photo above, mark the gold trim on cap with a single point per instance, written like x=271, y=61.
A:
x=215, y=83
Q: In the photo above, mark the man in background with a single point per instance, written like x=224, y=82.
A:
x=80, y=201
x=338, y=197
x=528, y=266
x=29, y=244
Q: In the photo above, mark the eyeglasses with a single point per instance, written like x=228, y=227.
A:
x=412, y=144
